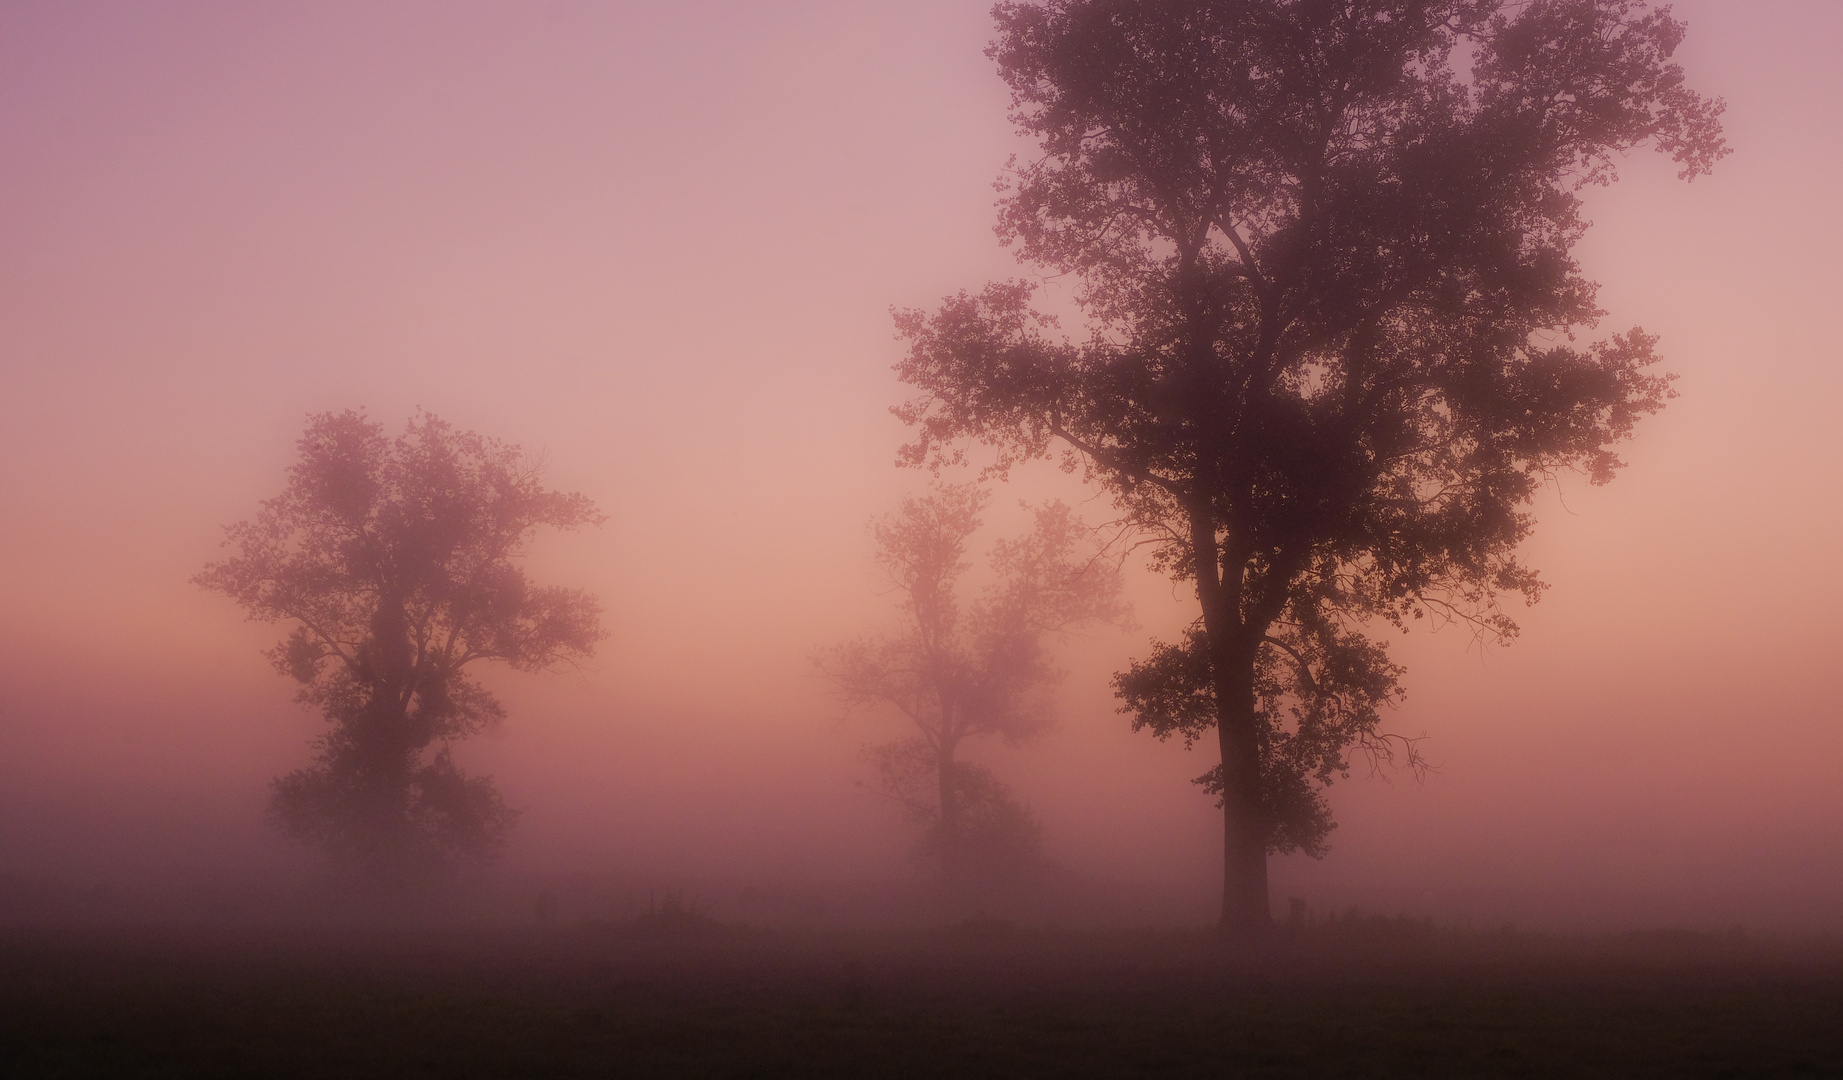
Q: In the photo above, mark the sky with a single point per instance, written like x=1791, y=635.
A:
x=658, y=244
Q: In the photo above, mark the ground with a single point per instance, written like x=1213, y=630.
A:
x=1371, y=999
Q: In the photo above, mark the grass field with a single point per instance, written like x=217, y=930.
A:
x=1377, y=999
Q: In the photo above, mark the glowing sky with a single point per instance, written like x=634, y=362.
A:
x=658, y=242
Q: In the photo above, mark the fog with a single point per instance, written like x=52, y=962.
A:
x=657, y=244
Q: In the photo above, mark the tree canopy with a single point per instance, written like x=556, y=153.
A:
x=958, y=671
x=396, y=561
x=1323, y=257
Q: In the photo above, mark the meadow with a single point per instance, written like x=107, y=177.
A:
x=689, y=997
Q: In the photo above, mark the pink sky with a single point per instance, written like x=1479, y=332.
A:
x=659, y=241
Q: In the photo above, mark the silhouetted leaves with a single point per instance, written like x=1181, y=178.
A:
x=995, y=833
x=396, y=561
x=1324, y=255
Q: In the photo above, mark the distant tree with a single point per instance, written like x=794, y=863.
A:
x=959, y=673
x=991, y=834
x=1323, y=250
x=396, y=561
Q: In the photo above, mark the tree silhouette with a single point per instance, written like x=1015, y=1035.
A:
x=396, y=561
x=957, y=673
x=987, y=834
x=1323, y=250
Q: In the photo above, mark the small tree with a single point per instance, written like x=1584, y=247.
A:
x=956, y=674
x=992, y=833
x=396, y=561
x=1324, y=251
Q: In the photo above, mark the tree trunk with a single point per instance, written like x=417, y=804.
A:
x=383, y=758
x=949, y=823
x=1245, y=909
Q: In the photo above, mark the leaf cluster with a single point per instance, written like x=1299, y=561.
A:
x=450, y=816
x=958, y=670
x=396, y=560
x=994, y=833
x=1319, y=693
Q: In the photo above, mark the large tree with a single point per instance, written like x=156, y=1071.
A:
x=957, y=671
x=1323, y=257
x=396, y=561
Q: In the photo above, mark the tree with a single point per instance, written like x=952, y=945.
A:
x=956, y=674
x=1323, y=250
x=396, y=562
x=990, y=834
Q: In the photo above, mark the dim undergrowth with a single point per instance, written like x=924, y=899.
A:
x=1353, y=997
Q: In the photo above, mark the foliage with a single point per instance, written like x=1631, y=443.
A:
x=1323, y=254
x=956, y=673
x=1317, y=697
x=995, y=834
x=396, y=562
